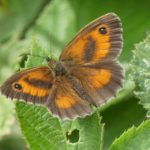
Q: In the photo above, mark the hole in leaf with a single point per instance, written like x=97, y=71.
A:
x=73, y=136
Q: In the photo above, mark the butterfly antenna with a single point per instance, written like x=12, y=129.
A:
x=51, y=45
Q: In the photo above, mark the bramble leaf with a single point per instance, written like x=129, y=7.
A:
x=140, y=72
x=134, y=138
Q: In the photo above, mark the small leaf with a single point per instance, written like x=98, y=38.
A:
x=38, y=55
x=134, y=139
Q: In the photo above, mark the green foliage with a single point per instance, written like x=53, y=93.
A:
x=38, y=55
x=119, y=117
x=135, y=138
x=140, y=72
x=6, y=117
x=16, y=16
x=41, y=130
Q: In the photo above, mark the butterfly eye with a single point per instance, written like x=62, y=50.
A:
x=17, y=86
x=102, y=30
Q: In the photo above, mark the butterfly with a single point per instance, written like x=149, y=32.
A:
x=87, y=72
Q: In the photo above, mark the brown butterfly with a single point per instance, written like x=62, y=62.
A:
x=86, y=72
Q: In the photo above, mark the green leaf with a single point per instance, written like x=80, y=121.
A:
x=43, y=131
x=119, y=117
x=90, y=133
x=37, y=56
x=134, y=139
x=6, y=116
x=140, y=72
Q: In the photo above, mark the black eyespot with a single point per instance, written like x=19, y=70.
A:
x=17, y=86
x=102, y=30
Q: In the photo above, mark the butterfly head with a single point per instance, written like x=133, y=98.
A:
x=57, y=67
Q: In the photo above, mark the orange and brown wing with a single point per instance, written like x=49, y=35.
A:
x=32, y=85
x=65, y=102
x=101, y=39
x=100, y=81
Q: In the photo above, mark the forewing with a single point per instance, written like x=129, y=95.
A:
x=32, y=85
x=101, y=39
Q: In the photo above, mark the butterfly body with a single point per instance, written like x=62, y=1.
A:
x=60, y=69
x=86, y=73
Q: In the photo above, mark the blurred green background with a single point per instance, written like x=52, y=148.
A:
x=54, y=23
